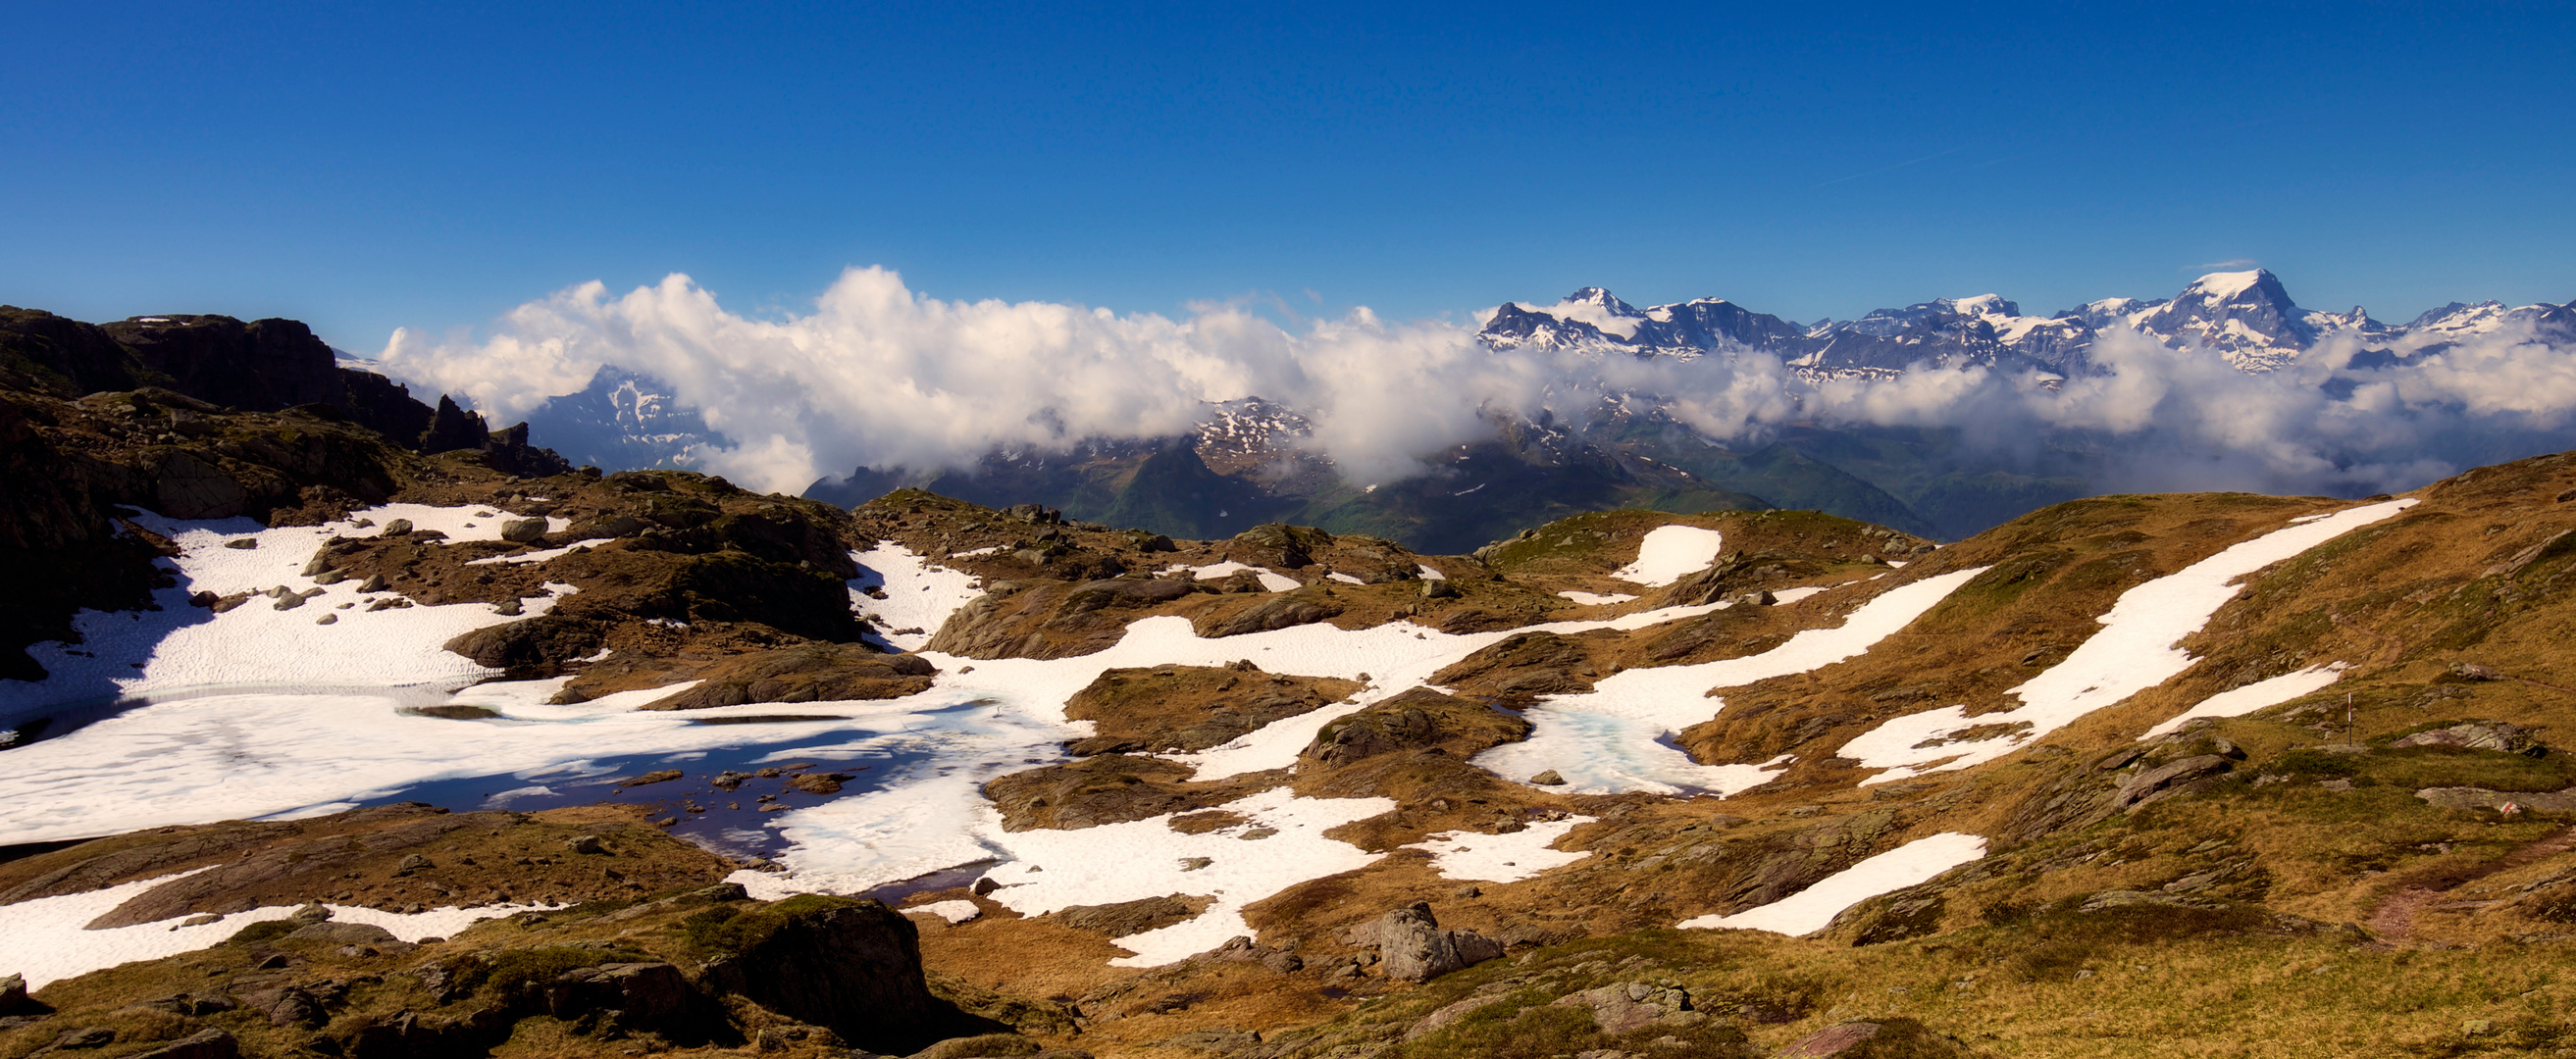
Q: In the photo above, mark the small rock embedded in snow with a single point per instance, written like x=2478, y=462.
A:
x=1549, y=778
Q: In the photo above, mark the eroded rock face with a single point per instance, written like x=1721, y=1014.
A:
x=2168, y=779
x=1052, y=619
x=809, y=673
x=1303, y=606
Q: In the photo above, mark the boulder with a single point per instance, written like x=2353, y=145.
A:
x=642, y=995
x=13, y=993
x=523, y=530
x=2167, y=779
x=1412, y=947
x=853, y=966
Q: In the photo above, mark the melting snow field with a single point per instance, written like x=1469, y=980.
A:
x=1502, y=858
x=918, y=594
x=1669, y=553
x=2238, y=702
x=46, y=942
x=1281, y=845
x=1614, y=738
x=138, y=652
x=1815, y=907
x=1593, y=600
x=201, y=746
x=2137, y=648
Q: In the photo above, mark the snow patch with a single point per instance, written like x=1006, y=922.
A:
x=1053, y=870
x=2237, y=702
x=1502, y=858
x=1592, y=600
x=47, y=942
x=1670, y=552
x=1815, y=907
x=2136, y=649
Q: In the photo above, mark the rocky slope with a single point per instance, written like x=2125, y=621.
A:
x=2126, y=774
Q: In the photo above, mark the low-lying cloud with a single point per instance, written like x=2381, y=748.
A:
x=877, y=375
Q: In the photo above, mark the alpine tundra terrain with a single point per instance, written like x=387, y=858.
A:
x=330, y=736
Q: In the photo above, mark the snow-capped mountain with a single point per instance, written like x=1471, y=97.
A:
x=2246, y=317
x=623, y=420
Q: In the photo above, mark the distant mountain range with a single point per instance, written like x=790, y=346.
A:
x=2246, y=317
x=1244, y=463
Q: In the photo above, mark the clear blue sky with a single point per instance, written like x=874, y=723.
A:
x=363, y=167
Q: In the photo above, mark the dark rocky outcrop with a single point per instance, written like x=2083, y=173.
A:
x=808, y=673
x=1052, y=619
x=854, y=966
x=1302, y=606
x=1418, y=719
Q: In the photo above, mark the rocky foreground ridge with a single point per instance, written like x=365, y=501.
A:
x=2323, y=806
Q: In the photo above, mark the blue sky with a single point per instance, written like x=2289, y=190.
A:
x=364, y=167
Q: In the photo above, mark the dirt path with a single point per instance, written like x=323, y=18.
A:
x=2393, y=919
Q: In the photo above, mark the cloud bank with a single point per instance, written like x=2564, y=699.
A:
x=878, y=375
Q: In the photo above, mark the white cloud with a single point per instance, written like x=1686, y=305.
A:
x=877, y=375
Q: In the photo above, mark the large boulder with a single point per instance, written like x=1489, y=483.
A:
x=853, y=966
x=1412, y=947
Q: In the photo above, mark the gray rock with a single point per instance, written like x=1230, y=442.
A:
x=585, y=844
x=397, y=527
x=289, y=601
x=1549, y=778
x=2476, y=735
x=1412, y=947
x=373, y=583
x=2166, y=779
x=1633, y=1006
x=13, y=993
x=523, y=530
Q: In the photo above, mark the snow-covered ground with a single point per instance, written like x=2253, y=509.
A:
x=47, y=940
x=1670, y=553
x=1281, y=845
x=1591, y=599
x=2137, y=648
x=1216, y=571
x=2237, y=702
x=1616, y=737
x=1502, y=858
x=1815, y=907
x=139, y=652
x=919, y=594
